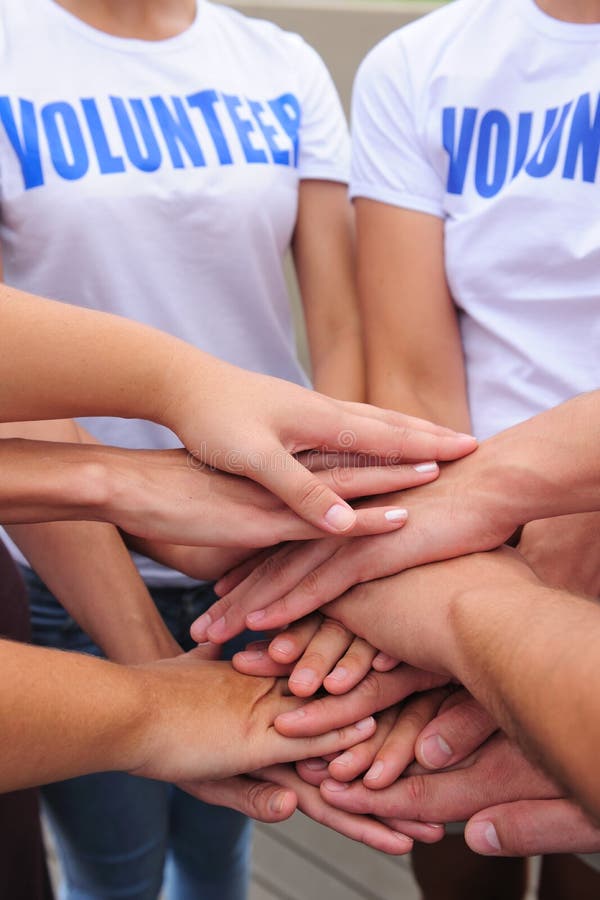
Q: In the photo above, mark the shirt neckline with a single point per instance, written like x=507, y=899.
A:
x=556, y=28
x=122, y=44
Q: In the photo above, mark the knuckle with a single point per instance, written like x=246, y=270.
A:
x=416, y=793
x=312, y=494
x=334, y=630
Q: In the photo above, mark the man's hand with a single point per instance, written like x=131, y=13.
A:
x=563, y=552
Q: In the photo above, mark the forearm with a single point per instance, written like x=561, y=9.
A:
x=65, y=714
x=340, y=370
x=530, y=655
x=101, y=589
x=60, y=361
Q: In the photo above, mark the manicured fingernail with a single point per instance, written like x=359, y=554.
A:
x=426, y=467
x=335, y=786
x=340, y=518
x=338, y=674
x=316, y=765
x=277, y=802
x=365, y=724
x=303, y=676
x=484, y=837
x=256, y=617
x=345, y=759
x=282, y=646
x=252, y=655
x=435, y=751
x=293, y=716
x=217, y=629
x=462, y=434
x=375, y=771
x=396, y=515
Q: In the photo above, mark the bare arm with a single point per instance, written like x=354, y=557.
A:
x=413, y=345
x=323, y=248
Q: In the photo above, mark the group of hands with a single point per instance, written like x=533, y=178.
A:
x=390, y=750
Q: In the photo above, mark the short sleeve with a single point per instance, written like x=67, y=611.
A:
x=388, y=162
x=324, y=151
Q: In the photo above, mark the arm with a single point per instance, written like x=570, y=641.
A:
x=413, y=345
x=323, y=249
x=179, y=720
x=59, y=361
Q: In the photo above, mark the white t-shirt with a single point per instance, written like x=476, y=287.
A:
x=486, y=113
x=159, y=180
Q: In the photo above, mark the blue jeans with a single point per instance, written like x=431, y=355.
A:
x=117, y=835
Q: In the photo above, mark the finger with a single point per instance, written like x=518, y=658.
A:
x=261, y=800
x=424, y=832
x=358, y=828
x=313, y=771
x=366, y=481
x=292, y=749
x=273, y=578
x=396, y=436
x=323, y=652
x=398, y=749
x=256, y=661
x=353, y=666
x=238, y=573
x=349, y=765
x=289, y=645
x=461, y=726
x=532, y=827
x=375, y=692
x=385, y=663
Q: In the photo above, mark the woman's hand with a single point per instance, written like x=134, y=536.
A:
x=206, y=721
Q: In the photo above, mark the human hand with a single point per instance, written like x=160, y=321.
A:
x=314, y=652
x=450, y=517
x=563, y=552
x=364, y=829
x=167, y=498
x=496, y=773
x=532, y=827
x=258, y=423
x=459, y=727
x=205, y=721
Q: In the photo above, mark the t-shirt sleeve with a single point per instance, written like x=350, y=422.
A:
x=388, y=160
x=324, y=150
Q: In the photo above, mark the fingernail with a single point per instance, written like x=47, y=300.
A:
x=201, y=625
x=375, y=771
x=462, y=434
x=340, y=518
x=316, y=765
x=254, y=618
x=252, y=655
x=435, y=751
x=282, y=646
x=303, y=676
x=277, y=801
x=382, y=659
x=484, y=836
x=365, y=724
x=338, y=674
x=335, y=786
x=403, y=839
x=426, y=467
x=396, y=515
x=217, y=629
x=293, y=716
x=346, y=759
x=432, y=825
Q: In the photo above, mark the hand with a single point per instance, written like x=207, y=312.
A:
x=259, y=799
x=450, y=517
x=314, y=652
x=375, y=692
x=532, y=827
x=169, y=499
x=563, y=552
x=496, y=773
x=461, y=725
x=258, y=423
x=204, y=721
x=364, y=829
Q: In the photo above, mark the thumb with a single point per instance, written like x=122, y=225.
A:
x=261, y=800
